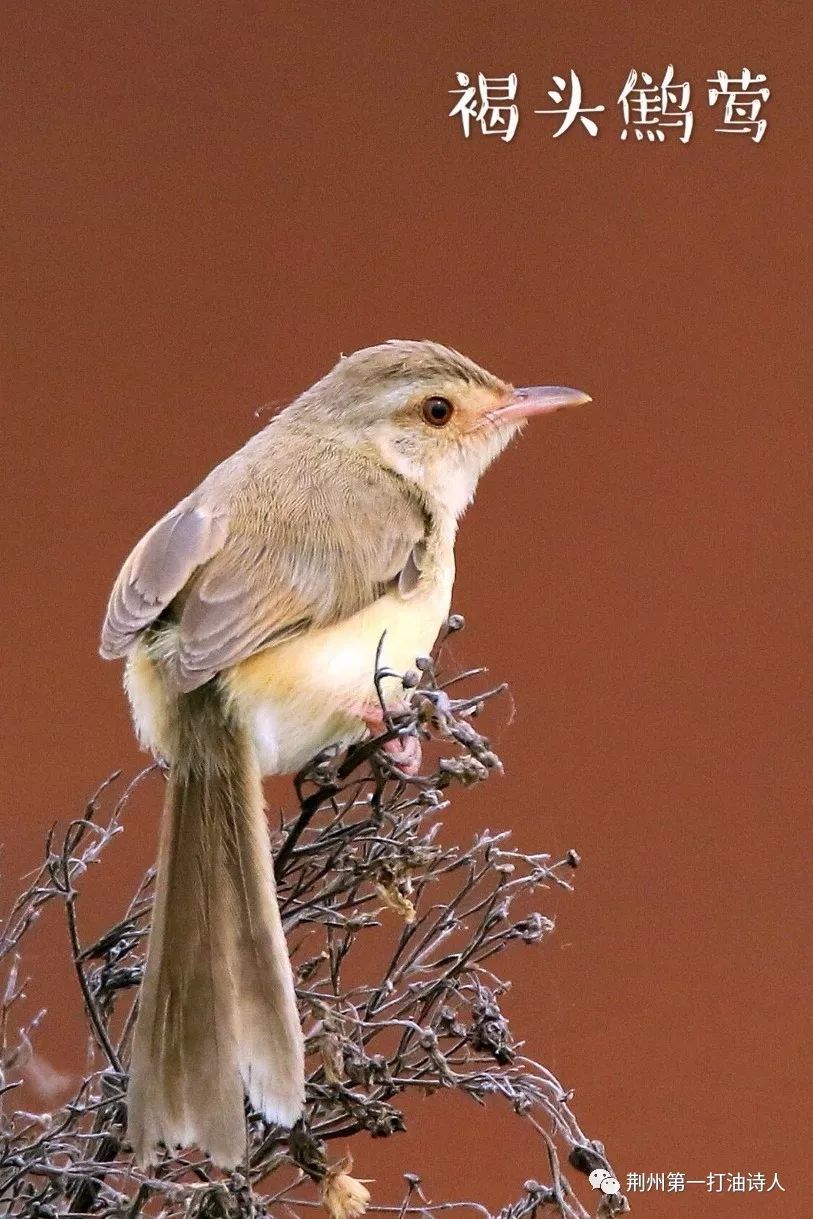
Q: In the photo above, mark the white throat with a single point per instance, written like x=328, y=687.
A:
x=453, y=481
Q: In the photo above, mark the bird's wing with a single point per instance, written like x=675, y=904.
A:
x=156, y=571
x=247, y=583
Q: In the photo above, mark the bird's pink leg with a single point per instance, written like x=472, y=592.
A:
x=405, y=752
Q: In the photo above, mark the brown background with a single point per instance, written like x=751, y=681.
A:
x=205, y=204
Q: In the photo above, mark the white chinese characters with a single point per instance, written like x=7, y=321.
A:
x=651, y=110
x=714, y=1182
x=492, y=104
x=573, y=110
x=744, y=98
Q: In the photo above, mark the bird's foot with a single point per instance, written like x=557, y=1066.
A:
x=405, y=752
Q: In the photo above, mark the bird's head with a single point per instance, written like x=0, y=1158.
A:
x=425, y=411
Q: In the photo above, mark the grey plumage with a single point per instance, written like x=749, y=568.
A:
x=217, y=1007
x=274, y=558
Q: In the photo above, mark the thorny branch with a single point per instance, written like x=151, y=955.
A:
x=363, y=875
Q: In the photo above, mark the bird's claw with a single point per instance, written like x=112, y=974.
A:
x=404, y=752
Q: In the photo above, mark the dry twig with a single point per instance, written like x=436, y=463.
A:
x=363, y=876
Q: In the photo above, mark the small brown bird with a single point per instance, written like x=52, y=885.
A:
x=250, y=616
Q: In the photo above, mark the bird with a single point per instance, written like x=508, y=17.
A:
x=253, y=617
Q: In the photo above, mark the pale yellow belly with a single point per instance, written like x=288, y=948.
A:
x=302, y=696
x=299, y=697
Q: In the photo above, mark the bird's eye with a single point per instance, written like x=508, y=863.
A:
x=437, y=411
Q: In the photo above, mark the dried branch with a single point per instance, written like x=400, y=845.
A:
x=363, y=875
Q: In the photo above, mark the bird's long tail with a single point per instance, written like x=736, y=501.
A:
x=217, y=1012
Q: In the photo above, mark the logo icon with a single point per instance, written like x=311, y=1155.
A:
x=605, y=1181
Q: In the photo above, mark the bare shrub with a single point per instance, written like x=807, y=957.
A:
x=364, y=877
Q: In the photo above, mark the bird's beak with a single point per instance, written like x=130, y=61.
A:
x=537, y=400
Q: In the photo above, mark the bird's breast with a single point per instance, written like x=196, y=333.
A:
x=311, y=692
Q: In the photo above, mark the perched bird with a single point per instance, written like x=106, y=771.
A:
x=251, y=616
